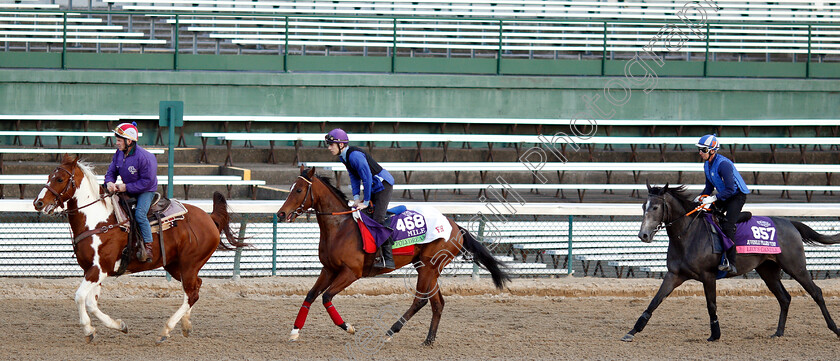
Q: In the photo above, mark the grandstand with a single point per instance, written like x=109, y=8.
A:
x=790, y=39
x=263, y=80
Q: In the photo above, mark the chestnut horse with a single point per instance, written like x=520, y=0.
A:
x=73, y=187
x=340, y=252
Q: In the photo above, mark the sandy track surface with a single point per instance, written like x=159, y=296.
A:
x=568, y=318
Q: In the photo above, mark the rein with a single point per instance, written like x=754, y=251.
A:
x=662, y=224
x=300, y=209
x=68, y=212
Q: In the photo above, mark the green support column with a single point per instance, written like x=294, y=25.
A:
x=569, y=259
x=808, y=62
x=238, y=256
x=274, y=245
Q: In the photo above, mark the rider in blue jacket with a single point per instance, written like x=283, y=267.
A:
x=732, y=191
x=365, y=171
x=138, y=170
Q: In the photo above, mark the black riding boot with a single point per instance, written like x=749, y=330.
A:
x=729, y=262
x=387, y=255
x=387, y=252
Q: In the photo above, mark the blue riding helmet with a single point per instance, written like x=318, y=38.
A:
x=337, y=135
x=708, y=141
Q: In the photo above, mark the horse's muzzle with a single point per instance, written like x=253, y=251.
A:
x=646, y=236
x=39, y=204
x=285, y=218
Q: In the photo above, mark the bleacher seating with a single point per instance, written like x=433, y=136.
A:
x=476, y=28
x=49, y=28
x=228, y=181
x=729, y=10
x=636, y=168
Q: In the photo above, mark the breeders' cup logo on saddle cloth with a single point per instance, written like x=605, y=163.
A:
x=764, y=223
x=132, y=170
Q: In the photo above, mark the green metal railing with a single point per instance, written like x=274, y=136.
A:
x=40, y=246
x=498, y=41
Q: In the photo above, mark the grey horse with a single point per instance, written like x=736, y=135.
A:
x=691, y=256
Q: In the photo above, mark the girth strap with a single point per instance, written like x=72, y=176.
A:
x=91, y=232
x=160, y=237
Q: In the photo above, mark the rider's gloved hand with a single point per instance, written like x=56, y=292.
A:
x=700, y=197
x=360, y=205
x=111, y=187
x=709, y=200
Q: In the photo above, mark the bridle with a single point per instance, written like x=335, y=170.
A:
x=59, y=196
x=301, y=209
x=665, y=224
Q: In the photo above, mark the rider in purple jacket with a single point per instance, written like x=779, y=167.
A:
x=138, y=170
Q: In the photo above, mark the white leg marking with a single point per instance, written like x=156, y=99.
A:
x=81, y=298
x=185, y=307
x=92, y=304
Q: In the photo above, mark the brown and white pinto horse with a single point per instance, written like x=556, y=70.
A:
x=73, y=187
x=340, y=251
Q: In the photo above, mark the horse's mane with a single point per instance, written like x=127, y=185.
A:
x=90, y=180
x=680, y=193
x=328, y=182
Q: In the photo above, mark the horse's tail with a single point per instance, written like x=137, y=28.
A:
x=485, y=259
x=811, y=236
x=221, y=217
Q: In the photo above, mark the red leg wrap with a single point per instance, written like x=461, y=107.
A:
x=334, y=314
x=301, y=317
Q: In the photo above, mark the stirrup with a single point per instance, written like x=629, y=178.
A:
x=726, y=266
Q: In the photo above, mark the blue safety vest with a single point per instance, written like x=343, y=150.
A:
x=712, y=174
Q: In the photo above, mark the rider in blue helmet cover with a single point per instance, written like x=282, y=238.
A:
x=732, y=191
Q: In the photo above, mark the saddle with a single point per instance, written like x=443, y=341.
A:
x=719, y=216
x=163, y=214
x=163, y=211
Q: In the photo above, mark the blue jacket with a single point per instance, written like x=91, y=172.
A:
x=722, y=175
x=138, y=171
x=360, y=173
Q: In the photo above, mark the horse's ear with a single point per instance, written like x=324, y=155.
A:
x=301, y=168
x=67, y=159
x=310, y=173
x=665, y=187
x=647, y=183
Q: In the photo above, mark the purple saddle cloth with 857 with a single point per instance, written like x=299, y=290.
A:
x=756, y=236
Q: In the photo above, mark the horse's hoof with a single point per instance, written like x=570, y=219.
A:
x=161, y=340
x=186, y=332
x=90, y=338
x=776, y=335
x=712, y=339
x=350, y=329
x=628, y=338
x=294, y=336
x=429, y=343
x=123, y=327
x=387, y=338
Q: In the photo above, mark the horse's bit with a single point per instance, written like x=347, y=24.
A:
x=300, y=209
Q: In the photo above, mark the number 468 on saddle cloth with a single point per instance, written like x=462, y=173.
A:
x=418, y=225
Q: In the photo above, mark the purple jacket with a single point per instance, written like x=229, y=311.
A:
x=138, y=171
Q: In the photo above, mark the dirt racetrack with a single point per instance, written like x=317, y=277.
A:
x=570, y=318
